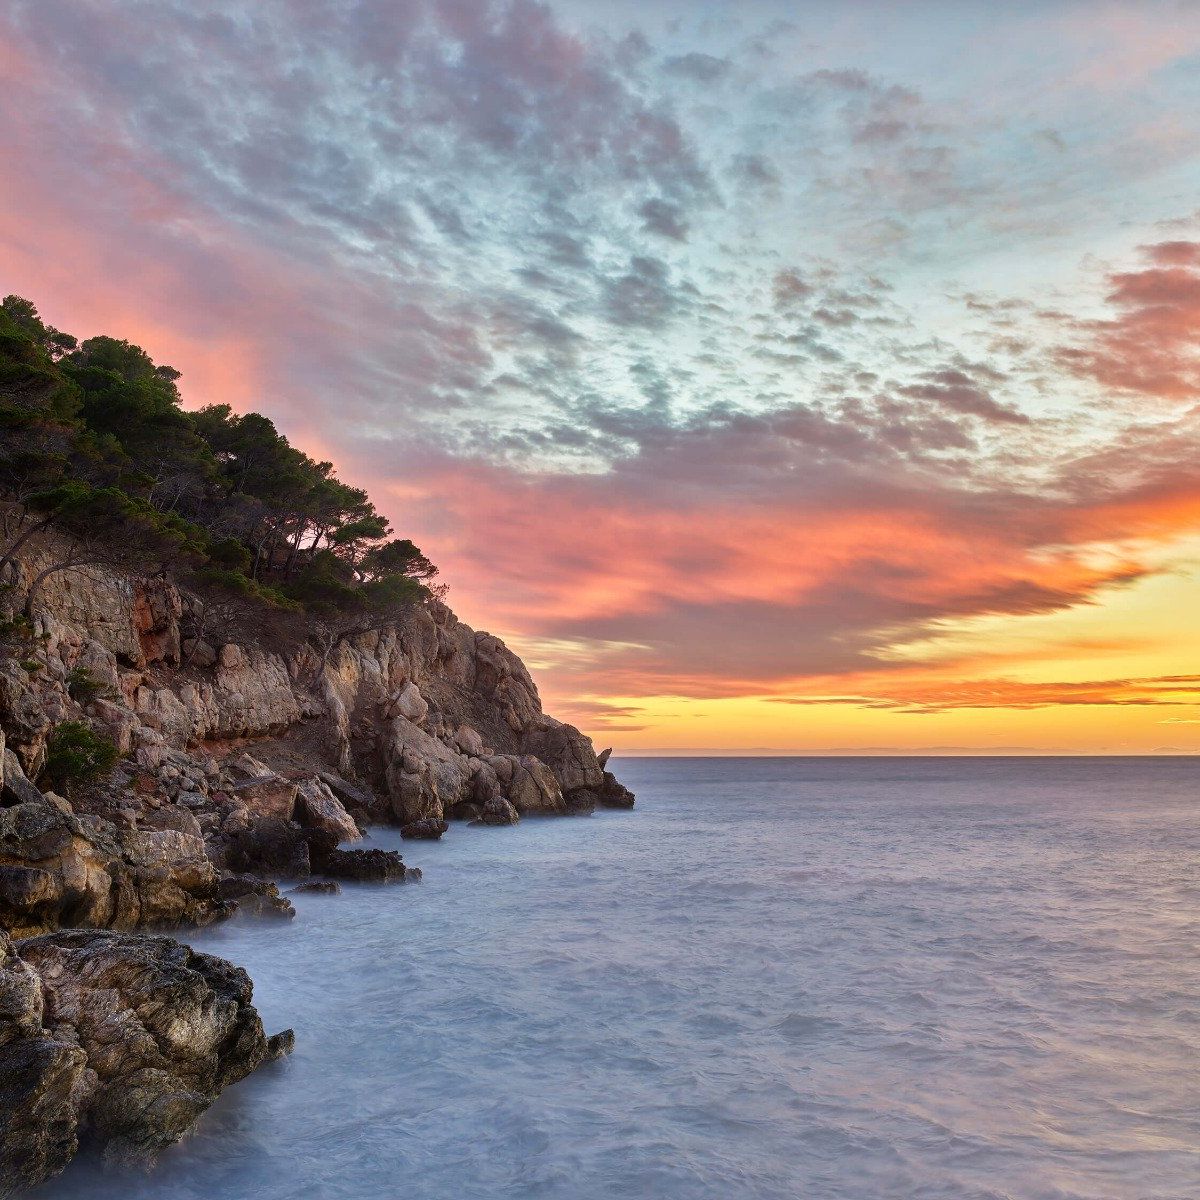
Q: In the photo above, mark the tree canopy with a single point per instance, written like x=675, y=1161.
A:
x=94, y=443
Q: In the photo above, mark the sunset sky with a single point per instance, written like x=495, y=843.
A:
x=772, y=376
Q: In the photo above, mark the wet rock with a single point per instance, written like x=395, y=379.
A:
x=369, y=866
x=270, y=846
x=256, y=897
x=319, y=887
x=127, y=1036
x=466, y=811
x=427, y=830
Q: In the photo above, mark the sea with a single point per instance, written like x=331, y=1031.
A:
x=774, y=979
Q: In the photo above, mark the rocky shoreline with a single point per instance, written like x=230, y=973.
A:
x=241, y=765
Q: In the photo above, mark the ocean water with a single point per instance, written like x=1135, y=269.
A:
x=795, y=979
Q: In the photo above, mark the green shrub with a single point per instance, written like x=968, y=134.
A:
x=83, y=687
x=76, y=753
x=31, y=665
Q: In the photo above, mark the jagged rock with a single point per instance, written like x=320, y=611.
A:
x=318, y=808
x=466, y=811
x=128, y=1036
x=255, y=897
x=603, y=757
x=497, y=812
x=580, y=803
x=58, y=870
x=566, y=752
x=268, y=796
x=271, y=846
x=320, y=887
x=17, y=788
x=172, y=817
x=610, y=794
x=427, y=830
x=530, y=785
x=369, y=866
x=410, y=704
x=614, y=794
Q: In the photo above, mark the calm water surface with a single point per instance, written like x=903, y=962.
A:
x=777, y=978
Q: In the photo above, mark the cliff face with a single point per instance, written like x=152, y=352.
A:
x=240, y=764
x=240, y=758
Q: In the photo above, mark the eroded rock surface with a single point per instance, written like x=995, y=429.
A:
x=125, y=1039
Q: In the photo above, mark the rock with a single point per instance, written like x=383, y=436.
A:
x=427, y=830
x=127, y=1036
x=269, y=796
x=410, y=704
x=348, y=793
x=469, y=741
x=369, y=866
x=603, y=757
x=497, y=812
x=269, y=845
x=532, y=787
x=171, y=817
x=614, y=794
x=466, y=811
x=567, y=752
x=318, y=808
x=580, y=803
x=255, y=897
x=320, y=887
x=57, y=869
x=17, y=788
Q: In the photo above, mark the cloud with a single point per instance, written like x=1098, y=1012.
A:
x=671, y=386
x=1150, y=346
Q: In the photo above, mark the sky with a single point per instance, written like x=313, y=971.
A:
x=774, y=377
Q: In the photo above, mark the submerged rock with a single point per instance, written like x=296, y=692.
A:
x=127, y=1036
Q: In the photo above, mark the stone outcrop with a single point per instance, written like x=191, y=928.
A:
x=127, y=1037
x=57, y=869
x=242, y=762
x=419, y=718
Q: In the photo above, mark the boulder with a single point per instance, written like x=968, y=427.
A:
x=319, y=809
x=268, y=796
x=255, y=897
x=57, y=869
x=497, y=812
x=127, y=1036
x=427, y=830
x=369, y=866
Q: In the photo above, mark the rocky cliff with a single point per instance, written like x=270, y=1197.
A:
x=243, y=760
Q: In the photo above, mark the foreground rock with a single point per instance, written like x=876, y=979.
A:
x=57, y=870
x=126, y=1038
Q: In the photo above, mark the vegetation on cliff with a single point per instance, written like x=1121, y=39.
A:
x=94, y=445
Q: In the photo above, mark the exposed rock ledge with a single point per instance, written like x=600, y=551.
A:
x=122, y=1040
